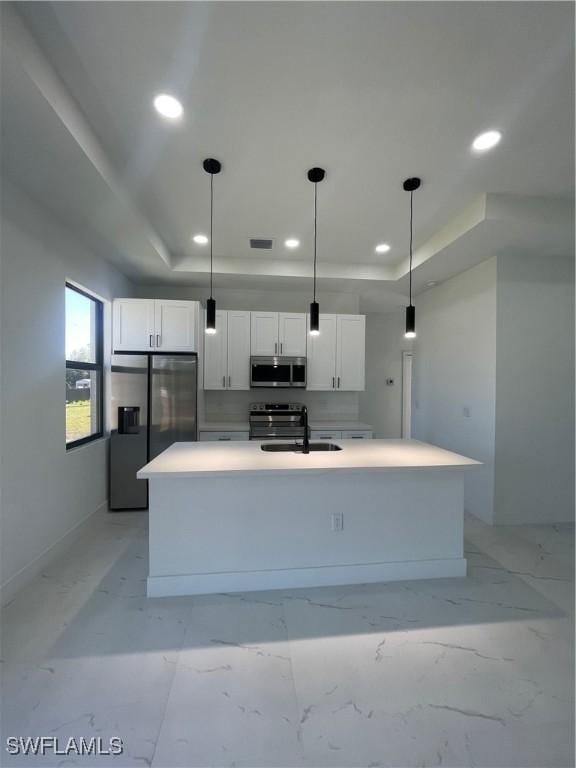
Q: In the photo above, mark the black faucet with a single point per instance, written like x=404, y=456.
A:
x=306, y=438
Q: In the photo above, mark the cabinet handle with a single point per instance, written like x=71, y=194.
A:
x=275, y=347
x=224, y=439
x=151, y=340
x=229, y=381
x=223, y=381
x=281, y=347
x=338, y=382
x=333, y=382
x=157, y=339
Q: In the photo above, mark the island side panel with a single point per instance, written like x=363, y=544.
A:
x=276, y=530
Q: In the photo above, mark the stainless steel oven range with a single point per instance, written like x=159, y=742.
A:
x=276, y=421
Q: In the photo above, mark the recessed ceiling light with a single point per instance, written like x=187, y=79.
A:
x=292, y=243
x=168, y=106
x=486, y=141
x=382, y=248
x=200, y=239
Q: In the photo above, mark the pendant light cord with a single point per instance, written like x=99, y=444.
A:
x=211, y=226
x=411, y=196
x=315, y=231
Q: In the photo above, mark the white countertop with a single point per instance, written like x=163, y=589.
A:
x=208, y=459
x=316, y=424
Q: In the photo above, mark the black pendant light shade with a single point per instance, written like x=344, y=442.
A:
x=210, y=316
x=314, y=318
x=410, y=322
x=411, y=185
x=315, y=175
x=211, y=167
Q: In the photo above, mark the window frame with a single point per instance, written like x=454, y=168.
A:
x=97, y=366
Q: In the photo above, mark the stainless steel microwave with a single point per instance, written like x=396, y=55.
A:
x=278, y=371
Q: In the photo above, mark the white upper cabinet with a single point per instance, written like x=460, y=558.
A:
x=292, y=334
x=336, y=357
x=175, y=325
x=321, y=358
x=227, y=352
x=264, y=333
x=350, y=352
x=133, y=325
x=278, y=333
x=215, y=353
x=238, y=350
x=155, y=325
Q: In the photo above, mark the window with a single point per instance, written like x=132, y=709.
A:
x=84, y=364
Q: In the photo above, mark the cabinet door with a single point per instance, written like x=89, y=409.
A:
x=175, y=326
x=356, y=434
x=323, y=434
x=350, y=352
x=238, y=350
x=215, y=354
x=264, y=333
x=322, y=355
x=292, y=334
x=133, y=325
x=223, y=437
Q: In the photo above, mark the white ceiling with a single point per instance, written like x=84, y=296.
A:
x=373, y=92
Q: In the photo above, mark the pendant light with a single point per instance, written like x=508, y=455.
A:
x=212, y=167
x=411, y=185
x=315, y=175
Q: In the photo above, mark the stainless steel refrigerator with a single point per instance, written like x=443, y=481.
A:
x=153, y=402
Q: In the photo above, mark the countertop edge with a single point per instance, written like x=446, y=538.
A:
x=191, y=474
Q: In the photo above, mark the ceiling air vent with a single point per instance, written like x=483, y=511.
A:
x=261, y=243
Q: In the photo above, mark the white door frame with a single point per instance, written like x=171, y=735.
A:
x=407, y=358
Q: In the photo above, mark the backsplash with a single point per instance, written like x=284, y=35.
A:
x=232, y=405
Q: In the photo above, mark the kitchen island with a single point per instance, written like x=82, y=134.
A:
x=227, y=517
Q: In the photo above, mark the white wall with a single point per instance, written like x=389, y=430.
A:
x=234, y=405
x=248, y=299
x=381, y=404
x=455, y=369
x=534, y=481
x=45, y=490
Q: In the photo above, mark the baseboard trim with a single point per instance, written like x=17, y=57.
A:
x=24, y=576
x=293, y=578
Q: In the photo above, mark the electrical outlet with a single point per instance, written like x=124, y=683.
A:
x=337, y=521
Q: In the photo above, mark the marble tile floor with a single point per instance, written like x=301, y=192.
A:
x=471, y=672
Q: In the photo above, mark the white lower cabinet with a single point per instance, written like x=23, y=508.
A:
x=227, y=352
x=223, y=437
x=324, y=434
x=344, y=434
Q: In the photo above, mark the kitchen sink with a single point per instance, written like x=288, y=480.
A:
x=297, y=447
